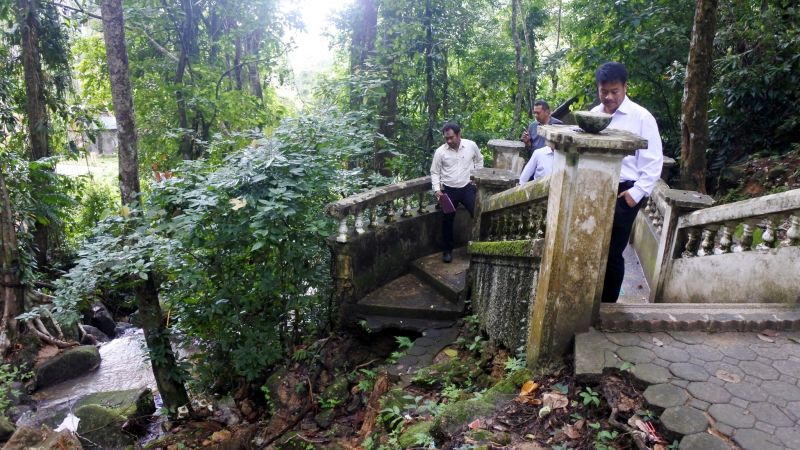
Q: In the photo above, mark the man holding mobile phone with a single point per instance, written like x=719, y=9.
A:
x=450, y=175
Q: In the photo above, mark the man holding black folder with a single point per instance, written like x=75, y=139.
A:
x=452, y=164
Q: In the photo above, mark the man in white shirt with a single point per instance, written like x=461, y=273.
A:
x=639, y=172
x=540, y=164
x=450, y=170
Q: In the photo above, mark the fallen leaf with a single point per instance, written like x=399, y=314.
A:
x=658, y=342
x=475, y=424
x=555, y=400
x=626, y=403
x=544, y=411
x=451, y=352
x=221, y=435
x=571, y=432
x=795, y=340
x=765, y=339
x=659, y=447
x=727, y=376
x=525, y=400
x=769, y=333
x=528, y=388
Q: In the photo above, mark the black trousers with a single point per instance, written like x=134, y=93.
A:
x=624, y=216
x=464, y=195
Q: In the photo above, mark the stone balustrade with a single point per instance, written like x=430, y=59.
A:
x=381, y=205
x=518, y=213
x=656, y=207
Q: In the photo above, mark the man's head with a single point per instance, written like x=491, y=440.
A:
x=452, y=135
x=612, y=85
x=541, y=110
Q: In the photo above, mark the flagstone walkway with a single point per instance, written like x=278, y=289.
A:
x=712, y=390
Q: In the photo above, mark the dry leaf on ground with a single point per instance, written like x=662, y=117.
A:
x=765, y=338
x=658, y=342
x=555, y=400
x=769, y=333
x=528, y=388
x=727, y=376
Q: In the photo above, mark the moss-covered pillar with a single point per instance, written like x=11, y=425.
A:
x=342, y=275
x=489, y=181
x=679, y=203
x=507, y=155
x=580, y=211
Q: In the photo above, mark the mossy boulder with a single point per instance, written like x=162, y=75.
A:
x=337, y=390
x=325, y=418
x=67, y=365
x=26, y=438
x=131, y=403
x=6, y=428
x=101, y=427
x=413, y=435
x=457, y=414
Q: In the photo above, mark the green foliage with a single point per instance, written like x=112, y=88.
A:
x=8, y=375
x=514, y=364
x=590, y=397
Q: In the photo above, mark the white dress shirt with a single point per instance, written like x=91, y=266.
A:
x=644, y=167
x=540, y=164
x=453, y=167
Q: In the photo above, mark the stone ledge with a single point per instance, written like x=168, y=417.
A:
x=709, y=317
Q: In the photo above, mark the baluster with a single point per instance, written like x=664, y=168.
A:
x=359, y=225
x=518, y=233
x=406, y=207
x=502, y=233
x=390, y=213
x=494, y=229
x=658, y=220
x=648, y=207
x=422, y=204
x=342, y=237
x=793, y=233
x=707, y=244
x=768, y=235
x=527, y=223
x=373, y=217
x=725, y=240
x=746, y=240
x=690, y=249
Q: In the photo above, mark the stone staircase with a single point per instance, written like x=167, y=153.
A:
x=431, y=291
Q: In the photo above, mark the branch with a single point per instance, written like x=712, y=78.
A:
x=46, y=337
x=78, y=9
x=155, y=43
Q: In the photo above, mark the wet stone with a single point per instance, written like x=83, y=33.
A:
x=688, y=371
x=756, y=440
x=624, y=339
x=679, y=382
x=703, y=441
x=735, y=401
x=665, y=395
x=770, y=414
x=793, y=408
x=782, y=390
x=789, y=367
x=684, y=420
x=636, y=355
x=765, y=427
x=416, y=351
x=732, y=415
x=759, y=370
x=739, y=352
x=705, y=353
x=650, y=373
x=709, y=392
x=789, y=436
x=774, y=353
x=424, y=342
x=671, y=354
x=727, y=430
x=747, y=391
x=699, y=404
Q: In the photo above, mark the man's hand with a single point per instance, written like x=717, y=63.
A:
x=628, y=199
x=438, y=194
x=526, y=138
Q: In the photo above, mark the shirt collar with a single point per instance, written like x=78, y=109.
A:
x=625, y=106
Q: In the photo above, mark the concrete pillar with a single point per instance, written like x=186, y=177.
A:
x=507, y=155
x=489, y=181
x=580, y=212
x=679, y=203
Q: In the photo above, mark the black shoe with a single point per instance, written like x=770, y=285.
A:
x=447, y=257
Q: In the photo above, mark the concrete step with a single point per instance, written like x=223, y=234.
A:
x=375, y=324
x=449, y=279
x=408, y=297
x=709, y=317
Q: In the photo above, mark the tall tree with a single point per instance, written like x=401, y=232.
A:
x=694, y=110
x=362, y=44
x=519, y=94
x=162, y=357
x=11, y=290
x=35, y=105
x=431, y=104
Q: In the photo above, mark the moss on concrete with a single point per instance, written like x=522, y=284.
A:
x=411, y=436
x=523, y=248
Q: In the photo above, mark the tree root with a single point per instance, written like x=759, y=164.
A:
x=639, y=437
x=41, y=332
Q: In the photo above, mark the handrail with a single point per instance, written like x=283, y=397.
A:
x=518, y=195
x=753, y=208
x=374, y=197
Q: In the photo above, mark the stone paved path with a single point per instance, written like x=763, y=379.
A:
x=713, y=390
x=423, y=351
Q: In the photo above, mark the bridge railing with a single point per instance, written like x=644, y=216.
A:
x=742, y=252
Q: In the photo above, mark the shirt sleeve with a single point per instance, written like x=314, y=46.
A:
x=436, y=171
x=529, y=170
x=648, y=161
x=477, y=158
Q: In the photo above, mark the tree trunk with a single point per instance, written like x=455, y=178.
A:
x=253, y=49
x=518, y=65
x=161, y=356
x=188, y=55
x=362, y=45
x=445, y=85
x=35, y=107
x=530, y=48
x=694, y=113
x=430, y=94
x=554, y=73
x=11, y=291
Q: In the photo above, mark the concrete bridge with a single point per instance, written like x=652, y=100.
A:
x=532, y=267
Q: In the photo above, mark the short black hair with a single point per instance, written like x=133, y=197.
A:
x=451, y=126
x=542, y=103
x=611, y=72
